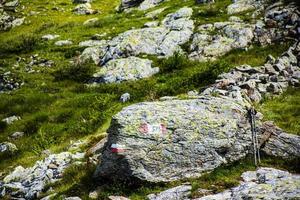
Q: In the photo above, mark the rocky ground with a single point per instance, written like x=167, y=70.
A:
x=149, y=99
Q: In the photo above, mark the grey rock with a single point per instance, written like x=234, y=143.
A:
x=177, y=193
x=8, y=148
x=8, y=22
x=29, y=182
x=49, y=37
x=11, y=5
x=84, y=9
x=228, y=36
x=276, y=142
x=265, y=183
x=176, y=30
x=72, y=198
x=63, y=43
x=125, y=4
x=91, y=22
x=17, y=135
x=92, y=43
x=93, y=54
x=11, y=119
x=125, y=69
x=274, y=88
x=147, y=4
x=242, y=6
x=174, y=139
x=117, y=198
x=151, y=24
x=125, y=97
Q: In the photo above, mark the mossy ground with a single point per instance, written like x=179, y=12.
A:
x=56, y=110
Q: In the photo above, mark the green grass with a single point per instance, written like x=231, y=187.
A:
x=284, y=110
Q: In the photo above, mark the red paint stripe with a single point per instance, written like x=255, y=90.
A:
x=116, y=150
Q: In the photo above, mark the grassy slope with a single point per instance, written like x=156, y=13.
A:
x=284, y=110
x=56, y=112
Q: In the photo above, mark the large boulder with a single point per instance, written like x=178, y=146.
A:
x=176, y=29
x=125, y=4
x=228, y=36
x=175, y=139
x=147, y=4
x=125, y=69
x=265, y=183
x=276, y=142
x=244, y=6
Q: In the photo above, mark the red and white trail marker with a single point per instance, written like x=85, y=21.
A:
x=117, y=148
x=153, y=129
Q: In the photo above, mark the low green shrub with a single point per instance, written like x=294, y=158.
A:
x=175, y=62
x=21, y=44
x=78, y=71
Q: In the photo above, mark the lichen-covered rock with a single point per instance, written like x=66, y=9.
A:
x=8, y=22
x=251, y=84
x=29, y=182
x=175, y=139
x=176, y=29
x=11, y=119
x=243, y=6
x=147, y=4
x=141, y=4
x=92, y=43
x=7, y=148
x=63, y=43
x=49, y=37
x=125, y=69
x=280, y=21
x=265, y=183
x=277, y=143
x=228, y=36
x=181, y=192
x=84, y=9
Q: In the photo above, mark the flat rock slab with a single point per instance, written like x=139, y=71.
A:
x=176, y=139
x=125, y=69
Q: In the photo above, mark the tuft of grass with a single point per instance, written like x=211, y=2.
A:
x=78, y=71
x=284, y=110
x=24, y=43
x=178, y=61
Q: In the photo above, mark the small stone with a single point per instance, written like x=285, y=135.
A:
x=91, y=22
x=49, y=37
x=151, y=24
x=176, y=193
x=8, y=148
x=63, y=43
x=117, y=198
x=274, y=88
x=10, y=120
x=17, y=135
x=72, y=198
x=125, y=97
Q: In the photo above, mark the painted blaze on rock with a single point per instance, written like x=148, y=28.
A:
x=171, y=140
